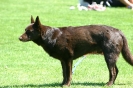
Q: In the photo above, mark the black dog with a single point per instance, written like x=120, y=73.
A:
x=69, y=43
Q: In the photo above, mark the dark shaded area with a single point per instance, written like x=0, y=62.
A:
x=53, y=85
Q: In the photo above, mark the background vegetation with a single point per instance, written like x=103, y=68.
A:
x=27, y=65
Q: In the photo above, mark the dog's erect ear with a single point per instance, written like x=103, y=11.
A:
x=32, y=19
x=37, y=22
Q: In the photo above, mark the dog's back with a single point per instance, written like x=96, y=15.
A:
x=86, y=39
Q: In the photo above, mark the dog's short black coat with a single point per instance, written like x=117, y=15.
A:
x=69, y=43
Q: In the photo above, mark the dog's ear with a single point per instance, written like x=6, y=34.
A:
x=37, y=22
x=32, y=19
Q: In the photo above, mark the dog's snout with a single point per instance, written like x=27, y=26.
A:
x=20, y=38
x=23, y=38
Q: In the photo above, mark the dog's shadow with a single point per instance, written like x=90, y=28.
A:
x=52, y=85
x=32, y=85
x=89, y=84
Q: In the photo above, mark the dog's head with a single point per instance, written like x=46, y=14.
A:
x=32, y=31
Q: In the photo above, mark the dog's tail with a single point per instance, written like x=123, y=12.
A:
x=126, y=52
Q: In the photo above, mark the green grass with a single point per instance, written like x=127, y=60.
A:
x=27, y=65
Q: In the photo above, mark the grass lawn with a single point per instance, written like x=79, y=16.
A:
x=27, y=65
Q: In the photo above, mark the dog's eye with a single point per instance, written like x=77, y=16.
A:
x=28, y=32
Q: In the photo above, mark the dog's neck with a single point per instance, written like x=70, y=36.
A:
x=48, y=37
x=51, y=34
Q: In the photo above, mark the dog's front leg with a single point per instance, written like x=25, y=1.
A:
x=67, y=72
x=64, y=72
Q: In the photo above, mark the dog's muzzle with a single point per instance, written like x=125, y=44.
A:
x=23, y=38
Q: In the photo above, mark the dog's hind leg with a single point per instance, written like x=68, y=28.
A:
x=111, y=59
x=111, y=47
x=67, y=72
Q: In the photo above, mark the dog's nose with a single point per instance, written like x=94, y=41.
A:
x=20, y=38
